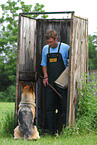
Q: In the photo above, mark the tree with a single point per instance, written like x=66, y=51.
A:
x=92, y=49
x=8, y=38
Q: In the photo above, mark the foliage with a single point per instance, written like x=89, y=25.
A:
x=2, y=96
x=8, y=95
x=92, y=48
x=86, y=110
x=87, y=105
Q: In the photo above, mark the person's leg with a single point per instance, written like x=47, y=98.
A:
x=50, y=109
x=63, y=102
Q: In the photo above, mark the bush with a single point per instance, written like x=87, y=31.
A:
x=11, y=93
x=86, y=109
x=8, y=95
x=2, y=96
x=87, y=104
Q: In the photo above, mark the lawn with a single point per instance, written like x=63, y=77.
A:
x=5, y=139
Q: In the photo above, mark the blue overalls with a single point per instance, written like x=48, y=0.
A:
x=55, y=66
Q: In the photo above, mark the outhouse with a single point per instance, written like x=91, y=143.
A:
x=72, y=30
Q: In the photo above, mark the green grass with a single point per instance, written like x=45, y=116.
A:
x=5, y=108
x=7, y=139
x=6, y=120
x=48, y=140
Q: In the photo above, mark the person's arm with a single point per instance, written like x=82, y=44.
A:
x=45, y=79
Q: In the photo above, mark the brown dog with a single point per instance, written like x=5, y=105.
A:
x=26, y=115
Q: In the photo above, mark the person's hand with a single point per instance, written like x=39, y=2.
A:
x=45, y=81
x=67, y=62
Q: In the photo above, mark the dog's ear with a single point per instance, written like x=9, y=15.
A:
x=22, y=84
x=32, y=87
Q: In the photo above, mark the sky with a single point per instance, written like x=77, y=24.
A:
x=82, y=8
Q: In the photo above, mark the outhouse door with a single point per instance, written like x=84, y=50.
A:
x=26, y=55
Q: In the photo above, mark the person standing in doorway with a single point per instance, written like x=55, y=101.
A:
x=54, y=62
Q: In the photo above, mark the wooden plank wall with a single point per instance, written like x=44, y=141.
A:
x=78, y=60
x=63, y=28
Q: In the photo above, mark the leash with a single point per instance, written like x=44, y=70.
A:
x=53, y=88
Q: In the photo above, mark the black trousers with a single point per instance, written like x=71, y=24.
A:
x=55, y=120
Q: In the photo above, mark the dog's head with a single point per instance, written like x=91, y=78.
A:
x=28, y=92
x=27, y=88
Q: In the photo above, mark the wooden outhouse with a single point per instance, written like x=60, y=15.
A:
x=31, y=31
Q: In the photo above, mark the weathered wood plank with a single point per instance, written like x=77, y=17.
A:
x=27, y=45
x=28, y=76
x=27, y=52
x=78, y=60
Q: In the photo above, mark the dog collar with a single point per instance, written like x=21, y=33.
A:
x=27, y=104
